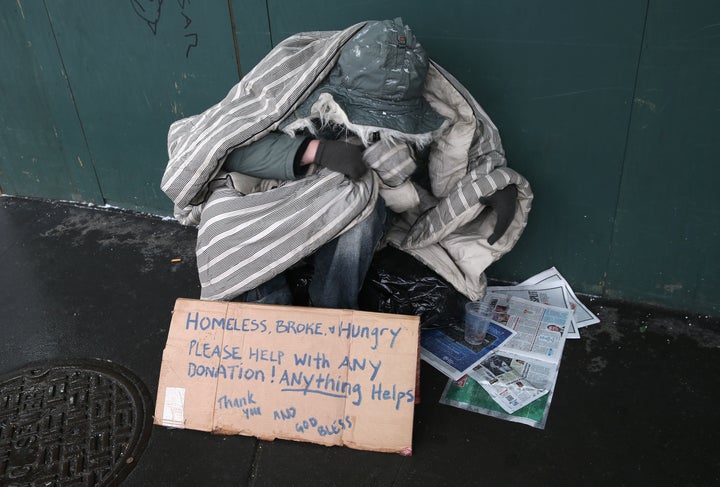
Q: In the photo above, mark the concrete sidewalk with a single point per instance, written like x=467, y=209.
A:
x=635, y=402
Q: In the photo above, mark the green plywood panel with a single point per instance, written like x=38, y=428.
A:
x=620, y=146
x=42, y=148
x=667, y=239
x=135, y=67
x=557, y=78
x=252, y=31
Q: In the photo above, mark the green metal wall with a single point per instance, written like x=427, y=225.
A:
x=609, y=108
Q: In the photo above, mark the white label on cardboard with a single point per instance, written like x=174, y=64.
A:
x=174, y=409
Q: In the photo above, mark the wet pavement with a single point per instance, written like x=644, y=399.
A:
x=634, y=403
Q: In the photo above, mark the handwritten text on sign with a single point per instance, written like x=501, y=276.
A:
x=327, y=376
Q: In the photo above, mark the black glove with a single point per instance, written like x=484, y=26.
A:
x=342, y=157
x=503, y=202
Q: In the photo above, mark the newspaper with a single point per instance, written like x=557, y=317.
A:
x=540, y=329
x=523, y=370
x=514, y=381
x=534, y=373
x=517, y=380
x=554, y=295
x=468, y=394
x=446, y=349
x=549, y=287
x=526, y=367
x=583, y=316
x=513, y=396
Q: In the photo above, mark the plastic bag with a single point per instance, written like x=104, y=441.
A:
x=398, y=283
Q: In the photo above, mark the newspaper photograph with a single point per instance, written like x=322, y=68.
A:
x=446, y=349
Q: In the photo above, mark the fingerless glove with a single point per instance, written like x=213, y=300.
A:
x=341, y=156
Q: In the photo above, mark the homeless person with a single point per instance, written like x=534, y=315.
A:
x=302, y=157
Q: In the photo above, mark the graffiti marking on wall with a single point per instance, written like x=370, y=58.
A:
x=151, y=12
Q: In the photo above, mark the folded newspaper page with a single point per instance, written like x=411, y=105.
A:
x=514, y=381
x=583, y=316
x=468, y=394
x=446, y=349
x=507, y=368
x=540, y=329
x=551, y=294
x=513, y=396
x=549, y=287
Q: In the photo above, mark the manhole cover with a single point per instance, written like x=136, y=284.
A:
x=77, y=423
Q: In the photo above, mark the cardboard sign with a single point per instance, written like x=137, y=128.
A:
x=334, y=377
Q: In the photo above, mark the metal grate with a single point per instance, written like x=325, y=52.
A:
x=82, y=423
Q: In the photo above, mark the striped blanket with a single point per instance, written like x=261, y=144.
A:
x=245, y=239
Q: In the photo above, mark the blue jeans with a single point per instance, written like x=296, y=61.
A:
x=339, y=268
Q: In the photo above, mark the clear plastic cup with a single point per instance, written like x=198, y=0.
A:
x=477, y=320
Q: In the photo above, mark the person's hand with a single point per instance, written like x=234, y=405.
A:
x=503, y=202
x=341, y=156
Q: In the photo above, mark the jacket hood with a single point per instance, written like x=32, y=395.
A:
x=379, y=80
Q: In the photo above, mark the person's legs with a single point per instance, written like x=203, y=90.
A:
x=341, y=264
x=274, y=291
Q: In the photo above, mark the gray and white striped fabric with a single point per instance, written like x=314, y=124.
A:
x=198, y=145
x=450, y=233
x=391, y=160
x=243, y=240
x=487, y=172
x=452, y=211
